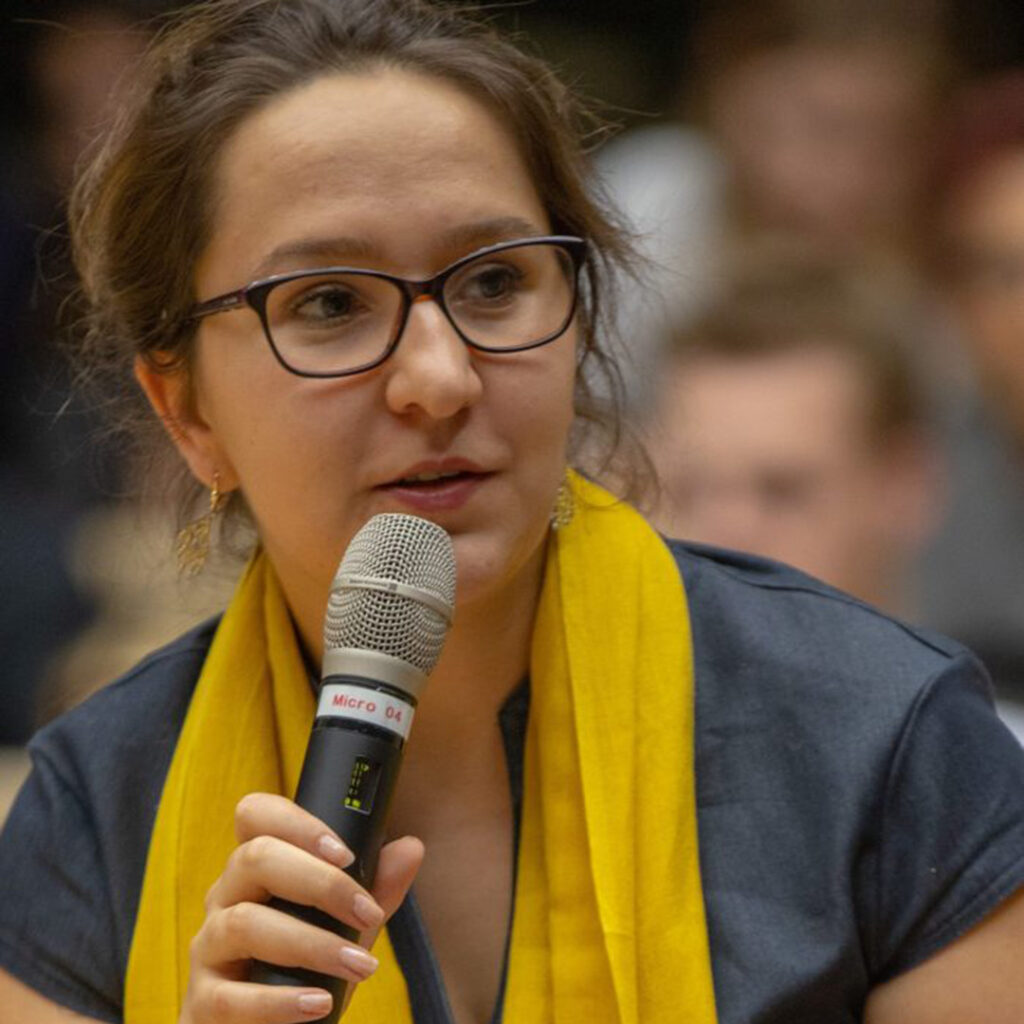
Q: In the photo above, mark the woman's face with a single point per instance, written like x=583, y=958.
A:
x=402, y=173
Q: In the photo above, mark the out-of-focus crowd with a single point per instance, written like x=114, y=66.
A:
x=87, y=574
x=823, y=344
x=829, y=360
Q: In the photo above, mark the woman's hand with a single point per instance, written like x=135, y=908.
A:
x=286, y=852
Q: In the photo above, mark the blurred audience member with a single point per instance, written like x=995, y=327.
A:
x=975, y=574
x=77, y=69
x=789, y=423
x=50, y=465
x=981, y=239
x=823, y=112
x=805, y=117
x=40, y=604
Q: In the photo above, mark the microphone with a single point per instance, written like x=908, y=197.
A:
x=390, y=607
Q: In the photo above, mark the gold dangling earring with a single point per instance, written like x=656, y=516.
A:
x=192, y=545
x=565, y=505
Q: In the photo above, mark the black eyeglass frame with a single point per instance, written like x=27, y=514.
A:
x=254, y=295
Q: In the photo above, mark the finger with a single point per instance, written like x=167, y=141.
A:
x=399, y=862
x=270, y=814
x=268, y=866
x=243, y=1002
x=254, y=931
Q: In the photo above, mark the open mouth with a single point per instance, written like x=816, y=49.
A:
x=433, y=479
x=437, y=490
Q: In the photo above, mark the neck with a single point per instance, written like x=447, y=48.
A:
x=486, y=655
x=454, y=759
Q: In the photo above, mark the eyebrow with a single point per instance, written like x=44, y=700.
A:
x=330, y=249
x=488, y=232
x=465, y=237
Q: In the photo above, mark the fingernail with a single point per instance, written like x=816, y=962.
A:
x=367, y=911
x=334, y=851
x=358, y=961
x=318, y=1003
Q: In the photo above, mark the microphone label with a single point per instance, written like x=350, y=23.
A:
x=345, y=700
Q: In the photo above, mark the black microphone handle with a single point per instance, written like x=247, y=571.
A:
x=348, y=779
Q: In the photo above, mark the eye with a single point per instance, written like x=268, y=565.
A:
x=490, y=283
x=327, y=304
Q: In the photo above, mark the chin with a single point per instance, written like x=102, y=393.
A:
x=494, y=567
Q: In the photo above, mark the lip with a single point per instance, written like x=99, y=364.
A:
x=440, y=495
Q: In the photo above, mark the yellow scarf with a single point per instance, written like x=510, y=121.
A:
x=608, y=923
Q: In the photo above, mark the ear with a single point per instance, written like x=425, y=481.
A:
x=913, y=490
x=170, y=393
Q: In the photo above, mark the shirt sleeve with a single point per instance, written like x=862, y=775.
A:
x=55, y=909
x=951, y=846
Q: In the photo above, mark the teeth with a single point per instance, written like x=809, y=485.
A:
x=424, y=478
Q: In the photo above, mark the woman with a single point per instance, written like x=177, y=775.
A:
x=341, y=153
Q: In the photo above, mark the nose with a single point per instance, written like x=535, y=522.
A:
x=432, y=371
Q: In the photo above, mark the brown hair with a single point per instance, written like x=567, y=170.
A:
x=140, y=215
x=787, y=299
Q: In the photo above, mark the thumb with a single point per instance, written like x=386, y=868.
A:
x=399, y=862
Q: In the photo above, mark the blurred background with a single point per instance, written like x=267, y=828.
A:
x=824, y=348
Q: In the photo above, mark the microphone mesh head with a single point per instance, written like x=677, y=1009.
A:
x=393, y=548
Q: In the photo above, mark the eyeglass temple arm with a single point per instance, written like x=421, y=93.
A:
x=221, y=304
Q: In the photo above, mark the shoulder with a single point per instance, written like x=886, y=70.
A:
x=108, y=755
x=74, y=846
x=131, y=718
x=105, y=760
x=803, y=689
x=752, y=613
x=861, y=759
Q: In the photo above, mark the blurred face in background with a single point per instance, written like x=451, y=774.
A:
x=773, y=454
x=985, y=227
x=79, y=72
x=822, y=140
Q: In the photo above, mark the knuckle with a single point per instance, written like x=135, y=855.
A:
x=237, y=923
x=247, y=811
x=220, y=1000
x=256, y=851
x=325, y=888
x=210, y=899
x=196, y=948
x=236, y=862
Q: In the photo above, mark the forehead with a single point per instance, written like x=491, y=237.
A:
x=380, y=162
x=803, y=403
x=806, y=81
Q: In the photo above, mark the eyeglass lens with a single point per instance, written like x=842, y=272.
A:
x=334, y=322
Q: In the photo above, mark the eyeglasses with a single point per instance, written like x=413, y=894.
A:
x=337, y=321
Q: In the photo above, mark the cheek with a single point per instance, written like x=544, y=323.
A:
x=533, y=410
x=245, y=423
x=284, y=438
x=545, y=409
